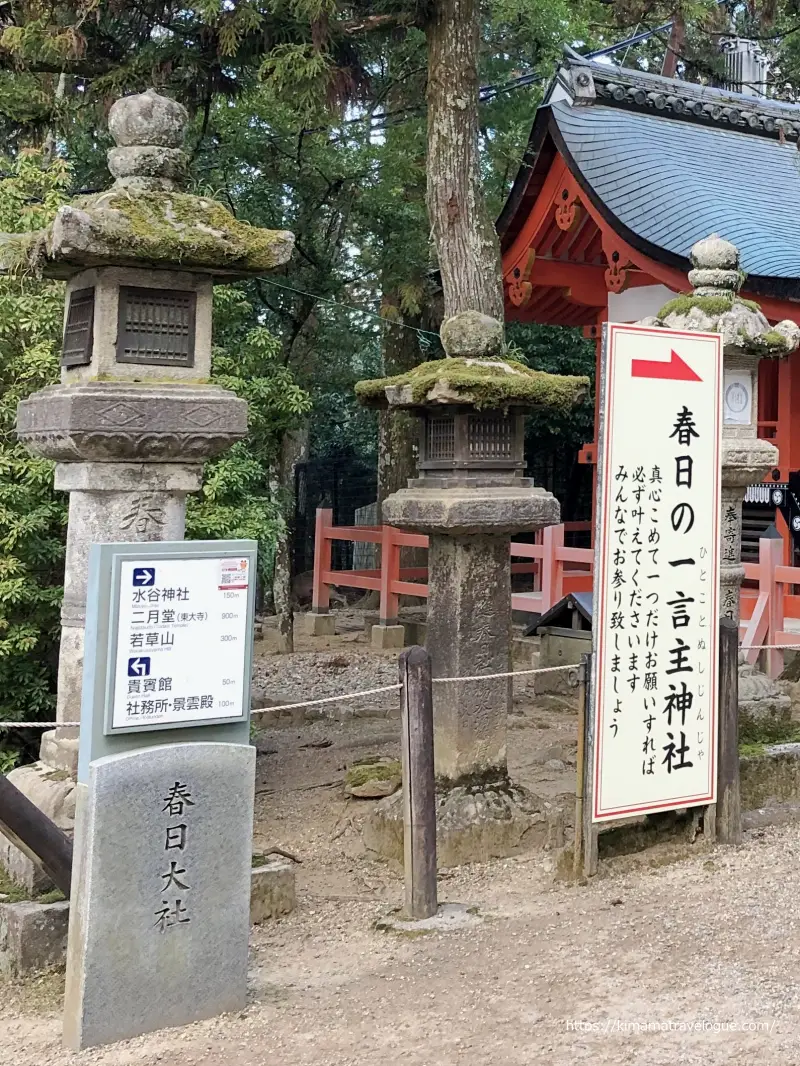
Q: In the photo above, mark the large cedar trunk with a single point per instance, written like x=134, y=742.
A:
x=466, y=241
x=397, y=431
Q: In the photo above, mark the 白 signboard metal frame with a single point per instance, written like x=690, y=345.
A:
x=98, y=736
x=594, y=741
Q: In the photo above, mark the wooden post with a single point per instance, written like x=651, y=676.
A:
x=773, y=665
x=35, y=835
x=728, y=814
x=321, y=592
x=419, y=788
x=585, y=855
x=390, y=572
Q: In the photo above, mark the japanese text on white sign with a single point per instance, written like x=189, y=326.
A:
x=182, y=641
x=657, y=572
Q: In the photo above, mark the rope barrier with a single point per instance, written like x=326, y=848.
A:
x=395, y=688
x=329, y=699
x=38, y=725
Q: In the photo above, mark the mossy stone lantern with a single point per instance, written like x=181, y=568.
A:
x=470, y=497
x=135, y=416
x=715, y=306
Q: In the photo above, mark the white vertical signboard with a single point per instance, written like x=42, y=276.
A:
x=657, y=572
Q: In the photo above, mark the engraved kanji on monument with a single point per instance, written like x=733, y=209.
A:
x=159, y=934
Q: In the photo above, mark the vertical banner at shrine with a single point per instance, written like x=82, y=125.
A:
x=657, y=571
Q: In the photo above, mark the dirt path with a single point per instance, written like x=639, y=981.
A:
x=553, y=975
x=713, y=939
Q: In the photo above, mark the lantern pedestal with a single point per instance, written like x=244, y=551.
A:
x=480, y=814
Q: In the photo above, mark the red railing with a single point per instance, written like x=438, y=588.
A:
x=767, y=599
x=556, y=569
x=768, y=605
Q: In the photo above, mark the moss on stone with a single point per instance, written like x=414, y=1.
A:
x=175, y=227
x=710, y=305
x=359, y=773
x=751, y=749
x=484, y=383
x=163, y=228
x=761, y=731
x=16, y=893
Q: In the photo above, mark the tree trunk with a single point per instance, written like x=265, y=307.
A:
x=465, y=237
x=294, y=448
x=397, y=431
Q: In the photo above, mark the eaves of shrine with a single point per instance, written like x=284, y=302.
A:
x=624, y=171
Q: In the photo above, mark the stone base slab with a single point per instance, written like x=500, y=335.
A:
x=320, y=625
x=53, y=792
x=60, y=752
x=33, y=937
x=272, y=891
x=386, y=637
x=450, y=917
x=473, y=824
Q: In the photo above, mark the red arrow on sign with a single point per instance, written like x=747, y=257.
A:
x=675, y=370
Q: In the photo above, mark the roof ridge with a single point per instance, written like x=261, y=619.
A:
x=589, y=82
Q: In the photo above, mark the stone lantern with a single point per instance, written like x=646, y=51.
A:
x=470, y=497
x=135, y=416
x=714, y=306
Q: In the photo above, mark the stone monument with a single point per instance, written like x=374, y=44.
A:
x=135, y=416
x=714, y=306
x=469, y=498
x=159, y=929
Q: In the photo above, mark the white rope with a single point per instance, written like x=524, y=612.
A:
x=769, y=647
x=329, y=699
x=38, y=725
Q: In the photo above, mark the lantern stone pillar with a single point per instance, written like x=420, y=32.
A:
x=135, y=416
x=714, y=306
x=470, y=497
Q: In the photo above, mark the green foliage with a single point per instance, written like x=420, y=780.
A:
x=32, y=516
x=238, y=499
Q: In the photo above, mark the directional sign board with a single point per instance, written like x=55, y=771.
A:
x=169, y=634
x=657, y=571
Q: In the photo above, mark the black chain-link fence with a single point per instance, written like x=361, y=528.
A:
x=344, y=485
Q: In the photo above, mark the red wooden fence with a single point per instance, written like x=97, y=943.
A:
x=768, y=598
x=556, y=569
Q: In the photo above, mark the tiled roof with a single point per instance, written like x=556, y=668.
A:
x=672, y=183
x=669, y=162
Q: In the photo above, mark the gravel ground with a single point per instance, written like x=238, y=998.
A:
x=554, y=975
x=279, y=679
x=704, y=950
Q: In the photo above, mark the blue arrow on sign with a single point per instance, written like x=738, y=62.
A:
x=139, y=666
x=144, y=575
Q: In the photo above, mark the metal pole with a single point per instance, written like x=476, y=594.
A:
x=583, y=672
x=419, y=788
x=590, y=843
x=729, y=814
x=35, y=835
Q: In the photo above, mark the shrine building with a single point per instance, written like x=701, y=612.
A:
x=623, y=172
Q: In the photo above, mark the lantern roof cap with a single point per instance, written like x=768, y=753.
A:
x=147, y=219
x=714, y=305
x=483, y=383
